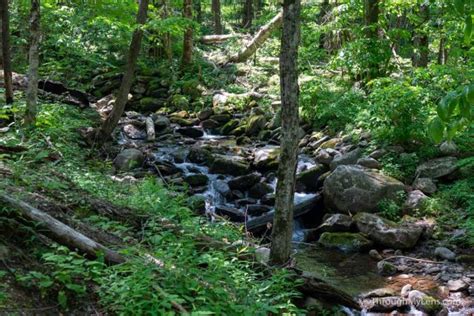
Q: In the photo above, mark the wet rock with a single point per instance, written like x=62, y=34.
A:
x=238, y=131
x=348, y=242
x=266, y=159
x=425, y=185
x=415, y=200
x=356, y=189
x=196, y=180
x=189, y=131
x=129, y=159
x=307, y=181
x=260, y=189
x=221, y=118
x=257, y=209
x=437, y=168
x=444, y=253
x=349, y=158
x=245, y=201
x=166, y=168
x=337, y=223
x=223, y=188
x=161, y=122
x=448, y=148
x=149, y=104
x=386, y=268
x=387, y=233
x=236, y=194
x=268, y=199
x=255, y=124
x=229, y=127
x=325, y=156
x=131, y=131
x=205, y=114
x=425, y=303
x=200, y=155
x=457, y=285
x=210, y=124
x=374, y=254
x=370, y=163
x=229, y=165
x=243, y=140
x=233, y=214
x=244, y=182
x=182, y=121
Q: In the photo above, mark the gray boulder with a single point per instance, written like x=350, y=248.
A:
x=308, y=180
x=223, y=188
x=357, y=189
x=266, y=158
x=370, y=163
x=232, y=165
x=244, y=182
x=425, y=185
x=437, y=168
x=337, y=223
x=256, y=124
x=129, y=159
x=444, y=253
x=260, y=189
x=190, y=131
x=387, y=233
x=415, y=200
x=196, y=180
x=349, y=158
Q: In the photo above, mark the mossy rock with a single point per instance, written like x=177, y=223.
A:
x=179, y=101
x=238, y=131
x=255, y=124
x=150, y=104
x=229, y=127
x=347, y=242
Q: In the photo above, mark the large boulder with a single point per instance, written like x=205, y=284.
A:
x=348, y=242
x=161, y=122
x=266, y=158
x=336, y=223
x=256, y=124
x=190, y=131
x=387, y=233
x=308, y=180
x=232, y=165
x=129, y=159
x=260, y=189
x=357, y=189
x=349, y=158
x=425, y=185
x=244, y=182
x=229, y=127
x=200, y=155
x=437, y=168
x=196, y=180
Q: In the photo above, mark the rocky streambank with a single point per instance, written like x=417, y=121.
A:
x=225, y=161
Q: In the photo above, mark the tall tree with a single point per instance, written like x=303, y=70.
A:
x=112, y=120
x=247, y=15
x=32, y=89
x=420, y=55
x=216, y=13
x=7, y=67
x=371, y=17
x=198, y=9
x=188, y=35
x=166, y=38
x=283, y=221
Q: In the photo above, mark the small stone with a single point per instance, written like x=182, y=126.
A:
x=370, y=163
x=398, y=252
x=262, y=255
x=386, y=268
x=374, y=254
x=444, y=253
x=406, y=290
x=448, y=148
x=457, y=285
x=415, y=200
x=379, y=153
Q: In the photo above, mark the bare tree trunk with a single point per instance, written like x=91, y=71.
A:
x=442, y=51
x=166, y=38
x=7, y=67
x=258, y=40
x=32, y=89
x=188, y=36
x=283, y=221
x=110, y=123
x=420, y=55
x=216, y=13
x=247, y=15
x=371, y=17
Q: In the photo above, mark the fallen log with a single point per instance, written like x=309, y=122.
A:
x=217, y=39
x=62, y=233
x=260, y=223
x=258, y=40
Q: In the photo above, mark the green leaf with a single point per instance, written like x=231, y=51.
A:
x=436, y=130
x=62, y=299
x=459, y=5
x=446, y=106
x=451, y=130
x=469, y=93
x=468, y=30
x=465, y=109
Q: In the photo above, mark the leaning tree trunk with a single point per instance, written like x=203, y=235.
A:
x=247, y=15
x=216, y=13
x=285, y=190
x=188, y=35
x=258, y=40
x=112, y=120
x=32, y=89
x=7, y=67
x=421, y=49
